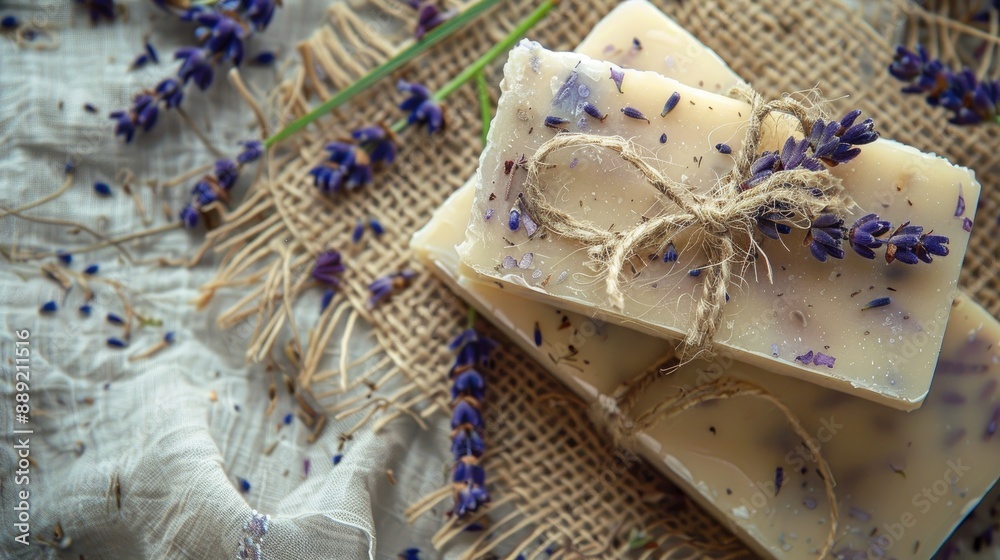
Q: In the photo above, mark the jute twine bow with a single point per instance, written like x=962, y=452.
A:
x=722, y=221
x=615, y=413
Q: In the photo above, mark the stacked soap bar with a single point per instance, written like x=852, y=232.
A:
x=587, y=358
x=904, y=480
x=878, y=326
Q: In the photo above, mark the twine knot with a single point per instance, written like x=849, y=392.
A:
x=721, y=222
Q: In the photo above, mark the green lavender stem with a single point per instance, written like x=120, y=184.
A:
x=383, y=70
x=484, y=103
x=495, y=51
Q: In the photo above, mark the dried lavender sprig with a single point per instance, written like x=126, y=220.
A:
x=467, y=395
x=221, y=33
x=352, y=164
x=215, y=185
x=433, y=37
x=908, y=243
x=830, y=144
x=970, y=100
x=384, y=287
x=429, y=16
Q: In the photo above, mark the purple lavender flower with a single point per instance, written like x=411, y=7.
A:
x=383, y=288
x=378, y=142
x=836, y=142
x=793, y=155
x=825, y=237
x=472, y=348
x=863, y=235
x=223, y=36
x=189, y=216
x=99, y=9
x=557, y=123
x=469, y=499
x=902, y=244
x=328, y=268
x=617, y=76
x=410, y=554
x=210, y=188
x=671, y=102
x=226, y=172
x=593, y=111
x=171, y=92
x=221, y=33
x=347, y=168
x=259, y=12
x=423, y=109
x=196, y=66
x=204, y=193
x=931, y=245
x=430, y=17
x=252, y=150
x=467, y=445
x=770, y=223
x=969, y=100
x=468, y=383
x=466, y=415
x=263, y=58
x=467, y=442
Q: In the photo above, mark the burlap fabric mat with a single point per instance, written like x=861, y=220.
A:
x=546, y=455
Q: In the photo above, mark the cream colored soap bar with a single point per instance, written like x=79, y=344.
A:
x=904, y=480
x=637, y=35
x=886, y=354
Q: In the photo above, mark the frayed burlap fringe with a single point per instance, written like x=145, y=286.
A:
x=722, y=221
x=267, y=244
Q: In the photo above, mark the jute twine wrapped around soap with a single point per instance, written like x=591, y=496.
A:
x=722, y=220
x=615, y=412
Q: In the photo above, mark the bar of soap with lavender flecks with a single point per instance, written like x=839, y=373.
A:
x=638, y=35
x=867, y=327
x=904, y=480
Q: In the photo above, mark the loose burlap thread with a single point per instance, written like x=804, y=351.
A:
x=721, y=221
x=282, y=224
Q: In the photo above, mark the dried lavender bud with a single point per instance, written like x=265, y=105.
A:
x=593, y=111
x=822, y=359
x=515, y=219
x=423, y=109
x=617, y=75
x=670, y=253
x=723, y=148
x=663, y=138
x=633, y=113
x=154, y=57
x=670, y=104
x=877, y=302
x=263, y=58
x=969, y=100
x=863, y=235
x=825, y=237
x=557, y=123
